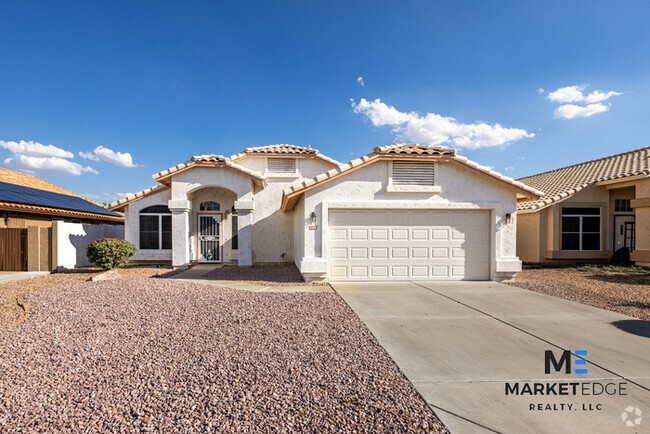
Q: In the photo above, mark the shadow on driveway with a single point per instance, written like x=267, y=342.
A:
x=635, y=326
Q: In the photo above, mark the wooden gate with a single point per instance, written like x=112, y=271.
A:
x=13, y=249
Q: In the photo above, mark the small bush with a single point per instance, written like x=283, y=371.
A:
x=109, y=253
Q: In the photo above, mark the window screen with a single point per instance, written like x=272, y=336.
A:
x=580, y=228
x=149, y=238
x=235, y=229
x=209, y=206
x=281, y=165
x=622, y=205
x=413, y=173
x=155, y=228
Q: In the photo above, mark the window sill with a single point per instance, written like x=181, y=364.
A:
x=283, y=175
x=578, y=254
x=413, y=189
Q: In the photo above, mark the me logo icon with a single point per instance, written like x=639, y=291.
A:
x=564, y=362
x=631, y=416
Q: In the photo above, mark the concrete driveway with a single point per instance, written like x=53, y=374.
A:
x=459, y=343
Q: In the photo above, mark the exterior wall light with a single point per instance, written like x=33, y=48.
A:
x=312, y=224
x=508, y=218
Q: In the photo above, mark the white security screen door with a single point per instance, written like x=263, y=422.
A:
x=209, y=238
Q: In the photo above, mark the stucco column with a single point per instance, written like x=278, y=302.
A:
x=180, y=232
x=244, y=210
x=641, y=205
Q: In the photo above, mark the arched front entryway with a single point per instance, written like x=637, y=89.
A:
x=213, y=225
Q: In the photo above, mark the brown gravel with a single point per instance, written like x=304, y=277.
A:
x=10, y=311
x=163, y=355
x=623, y=291
x=267, y=275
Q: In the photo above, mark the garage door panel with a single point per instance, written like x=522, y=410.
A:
x=409, y=245
x=379, y=234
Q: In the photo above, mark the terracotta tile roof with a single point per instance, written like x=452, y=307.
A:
x=388, y=151
x=414, y=148
x=121, y=203
x=283, y=149
x=212, y=158
x=26, y=180
x=562, y=183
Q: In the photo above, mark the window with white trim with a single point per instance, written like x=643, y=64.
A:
x=580, y=228
x=156, y=228
x=281, y=166
x=413, y=173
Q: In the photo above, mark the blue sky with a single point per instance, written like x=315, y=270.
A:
x=162, y=81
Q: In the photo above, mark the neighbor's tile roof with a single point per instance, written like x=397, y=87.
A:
x=25, y=180
x=211, y=158
x=283, y=149
x=121, y=203
x=387, y=151
x=562, y=183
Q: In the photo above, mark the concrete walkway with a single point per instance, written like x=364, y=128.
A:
x=197, y=272
x=459, y=343
x=10, y=276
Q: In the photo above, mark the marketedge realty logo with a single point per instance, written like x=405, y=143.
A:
x=568, y=362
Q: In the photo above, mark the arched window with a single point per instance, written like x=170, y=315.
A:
x=156, y=228
x=209, y=206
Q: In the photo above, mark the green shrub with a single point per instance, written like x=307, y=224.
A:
x=110, y=253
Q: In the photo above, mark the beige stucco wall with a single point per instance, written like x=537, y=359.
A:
x=528, y=236
x=642, y=211
x=366, y=188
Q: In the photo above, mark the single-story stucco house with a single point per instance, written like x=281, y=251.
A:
x=404, y=211
x=589, y=210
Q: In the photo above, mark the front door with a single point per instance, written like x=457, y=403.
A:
x=623, y=232
x=209, y=238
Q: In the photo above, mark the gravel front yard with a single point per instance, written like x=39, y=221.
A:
x=10, y=311
x=626, y=291
x=158, y=354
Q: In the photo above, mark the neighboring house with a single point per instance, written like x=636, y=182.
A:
x=403, y=212
x=588, y=211
x=29, y=207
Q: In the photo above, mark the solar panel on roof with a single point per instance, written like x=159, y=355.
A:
x=32, y=196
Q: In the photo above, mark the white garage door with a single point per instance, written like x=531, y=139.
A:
x=408, y=245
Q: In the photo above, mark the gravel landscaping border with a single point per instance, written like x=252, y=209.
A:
x=624, y=290
x=266, y=275
x=166, y=355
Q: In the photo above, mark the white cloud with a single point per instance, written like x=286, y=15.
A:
x=107, y=197
x=571, y=111
x=508, y=168
x=575, y=93
x=101, y=153
x=434, y=129
x=360, y=81
x=47, y=165
x=540, y=91
x=35, y=149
